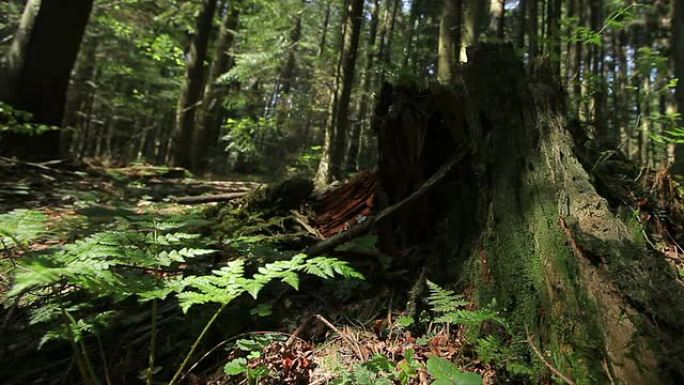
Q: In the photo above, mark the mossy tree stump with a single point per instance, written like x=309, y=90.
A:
x=522, y=220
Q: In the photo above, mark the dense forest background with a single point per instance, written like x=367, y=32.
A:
x=348, y=192
x=265, y=83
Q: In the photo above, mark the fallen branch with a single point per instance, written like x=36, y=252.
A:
x=365, y=226
x=193, y=200
x=302, y=220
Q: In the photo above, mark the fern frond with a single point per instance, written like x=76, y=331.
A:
x=21, y=226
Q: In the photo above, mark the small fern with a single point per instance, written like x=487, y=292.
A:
x=451, y=308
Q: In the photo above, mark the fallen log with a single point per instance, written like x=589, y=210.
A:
x=367, y=225
x=194, y=200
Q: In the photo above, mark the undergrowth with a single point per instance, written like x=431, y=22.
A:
x=79, y=290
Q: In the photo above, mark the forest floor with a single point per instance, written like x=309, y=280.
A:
x=355, y=333
x=391, y=328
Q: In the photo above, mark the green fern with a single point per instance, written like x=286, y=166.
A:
x=19, y=227
x=451, y=308
x=229, y=282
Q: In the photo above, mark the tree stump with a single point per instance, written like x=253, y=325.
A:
x=521, y=220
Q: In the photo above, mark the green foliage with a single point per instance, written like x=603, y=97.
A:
x=253, y=347
x=229, y=282
x=446, y=373
x=17, y=121
x=251, y=141
x=451, y=308
x=141, y=259
x=307, y=161
x=381, y=370
x=18, y=227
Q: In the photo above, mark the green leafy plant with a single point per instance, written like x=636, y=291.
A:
x=18, y=121
x=446, y=373
x=140, y=259
x=18, y=227
x=452, y=309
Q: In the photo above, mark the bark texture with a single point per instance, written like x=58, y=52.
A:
x=678, y=58
x=332, y=162
x=473, y=24
x=449, y=40
x=191, y=93
x=522, y=220
x=37, y=68
x=207, y=135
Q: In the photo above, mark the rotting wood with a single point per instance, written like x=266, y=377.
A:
x=367, y=225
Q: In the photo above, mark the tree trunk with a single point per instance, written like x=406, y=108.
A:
x=522, y=223
x=331, y=166
x=324, y=33
x=522, y=24
x=473, y=24
x=416, y=9
x=677, y=52
x=449, y=40
x=368, y=76
x=36, y=71
x=533, y=27
x=554, y=34
x=207, y=135
x=80, y=96
x=191, y=92
x=497, y=22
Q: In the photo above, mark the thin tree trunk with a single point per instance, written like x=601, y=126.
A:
x=79, y=94
x=360, y=126
x=324, y=34
x=473, y=24
x=533, y=27
x=191, y=92
x=333, y=169
x=677, y=50
x=449, y=40
x=207, y=135
x=522, y=24
x=554, y=35
x=413, y=18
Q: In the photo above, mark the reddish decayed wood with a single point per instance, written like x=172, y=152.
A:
x=340, y=207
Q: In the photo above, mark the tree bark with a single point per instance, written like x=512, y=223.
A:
x=677, y=50
x=35, y=74
x=569, y=274
x=449, y=40
x=359, y=131
x=81, y=94
x=533, y=28
x=473, y=24
x=554, y=34
x=522, y=24
x=332, y=163
x=191, y=92
x=207, y=135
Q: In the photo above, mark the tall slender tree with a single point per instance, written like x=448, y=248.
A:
x=449, y=40
x=207, y=133
x=35, y=73
x=331, y=165
x=533, y=28
x=473, y=24
x=677, y=48
x=366, y=89
x=193, y=84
